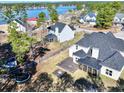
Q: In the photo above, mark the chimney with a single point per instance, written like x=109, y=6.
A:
x=57, y=30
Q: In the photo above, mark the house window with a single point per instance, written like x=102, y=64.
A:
x=89, y=70
x=76, y=47
x=108, y=72
x=76, y=59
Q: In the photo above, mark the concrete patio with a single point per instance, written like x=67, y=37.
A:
x=68, y=65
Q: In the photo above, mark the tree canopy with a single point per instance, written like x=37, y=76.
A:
x=20, y=42
x=41, y=18
x=106, y=13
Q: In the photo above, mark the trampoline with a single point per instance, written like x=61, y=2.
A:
x=22, y=78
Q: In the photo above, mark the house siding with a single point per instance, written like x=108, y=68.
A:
x=20, y=27
x=73, y=49
x=95, y=53
x=66, y=34
x=115, y=74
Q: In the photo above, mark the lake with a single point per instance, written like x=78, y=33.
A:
x=34, y=12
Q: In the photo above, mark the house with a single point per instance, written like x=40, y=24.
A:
x=60, y=32
x=99, y=53
x=89, y=18
x=22, y=26
x=32, y=21
x=119, y=18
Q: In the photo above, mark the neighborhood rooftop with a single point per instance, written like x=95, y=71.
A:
x=91, y=62
x=115, y=62
x=60, y=26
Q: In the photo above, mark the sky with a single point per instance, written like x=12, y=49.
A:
x=51, y=0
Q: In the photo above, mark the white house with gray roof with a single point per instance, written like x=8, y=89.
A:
x=22, y=26
x=89, y=18
x=99, y=53
x=119, y=18
x=60, y=32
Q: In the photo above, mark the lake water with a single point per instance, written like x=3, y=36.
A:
x=34, y=12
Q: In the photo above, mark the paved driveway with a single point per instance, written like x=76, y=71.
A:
x=68, y=65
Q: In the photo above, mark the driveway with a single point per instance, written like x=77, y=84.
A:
x=68, y=65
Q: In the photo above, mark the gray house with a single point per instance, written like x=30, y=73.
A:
x=99, y=53
x=60, y=32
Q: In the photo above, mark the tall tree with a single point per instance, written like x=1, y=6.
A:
x=53, y=15
x=79, y=6
x=20, y=42
x=105, y=16
x=41, y=18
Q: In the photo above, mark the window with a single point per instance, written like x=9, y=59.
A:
x=108, y=72
x=76, y=47
x=76, y=59
x=89, y=69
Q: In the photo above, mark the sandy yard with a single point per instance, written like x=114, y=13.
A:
x=4, y=27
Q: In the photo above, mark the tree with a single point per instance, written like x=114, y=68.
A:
x=79, y=6
x=53, y=15
x=20, y=42
x=64, y=83
x=105, y=16
x=119, y=87
x=116, y=5
x=42, y=84
x=41, y=18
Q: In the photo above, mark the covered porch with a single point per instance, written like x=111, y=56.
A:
x=90, y=65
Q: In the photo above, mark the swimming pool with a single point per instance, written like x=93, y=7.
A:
x=34, y=12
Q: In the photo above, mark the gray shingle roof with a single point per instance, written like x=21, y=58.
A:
x=106, y=43
x=80, y=53
x=60, y=26
x=119, y=15
x=115, y=62
x=51, y=36
x=91, y=62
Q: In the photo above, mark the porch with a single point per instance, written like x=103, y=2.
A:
x=90, y=65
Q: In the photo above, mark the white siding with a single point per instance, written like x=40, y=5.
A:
x=66, y=34
x=20, y=27
x=74, y=59
x=116, y=19
x=73, y=49
x=115, y=74
x=95, y=53
x=122, y=53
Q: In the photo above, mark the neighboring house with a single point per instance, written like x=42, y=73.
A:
x=89, y=18
x=99, y=53
x=119, y=18
x=32, y=21
x=22, y=26
x=60, y=32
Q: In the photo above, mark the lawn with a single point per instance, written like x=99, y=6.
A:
x=50, y=65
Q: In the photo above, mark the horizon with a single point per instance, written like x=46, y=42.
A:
x=53, y=1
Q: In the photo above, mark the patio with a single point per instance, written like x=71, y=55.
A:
x=68, y=65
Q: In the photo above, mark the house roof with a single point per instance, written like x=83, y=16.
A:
x=115, y=62
x=60, y=26
x=80, y=53
x=91, y=14
x=119, y=15
x=91, y=62
x=32, y=19
x=106, y=43
x=51, y=36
